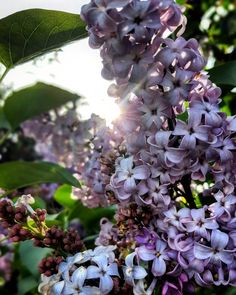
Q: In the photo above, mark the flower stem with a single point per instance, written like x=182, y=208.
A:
x=4, y=74
x=186, y=180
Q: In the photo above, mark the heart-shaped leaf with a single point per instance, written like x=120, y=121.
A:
x=30, y=33
x=19, y=174
x=33, y=101
x=224, y=74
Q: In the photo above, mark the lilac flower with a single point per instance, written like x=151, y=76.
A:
x=200, y=224
x=210, y=110
x=169, y=155
x=223, y=206
x=159, y=255
x=217, y=252
x=149, y=156
x=75, y=285
x=147, y=239
x=125, y=172
x=138, y=17
x=159, y=193
x=191, y=133
x=103, y=271
x=176, y=86
x=178, y=218
x=139, y=288
x=47, y=283
x=172, y=17
x=153, y=114
x=133, y=272
x=224, y=149
x=212, y=277
x=135, y=60
x=97, y=14
x=184, y=52
x=170, y=289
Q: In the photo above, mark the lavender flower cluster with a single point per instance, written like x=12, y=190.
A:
x=168, y=234
x=87, y=147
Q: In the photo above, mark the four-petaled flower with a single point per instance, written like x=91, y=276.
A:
x=133, y=272
x=217, y=252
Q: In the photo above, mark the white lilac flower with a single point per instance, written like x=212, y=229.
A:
x=103, y=271
x=133, y=272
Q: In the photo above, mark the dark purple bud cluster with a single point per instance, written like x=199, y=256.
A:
x=49, y=265
x=56, y=238
x=14, y=218
x=40, y=214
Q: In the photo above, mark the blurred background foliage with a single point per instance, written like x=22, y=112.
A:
x=213, y=24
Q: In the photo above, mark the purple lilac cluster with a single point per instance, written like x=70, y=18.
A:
x=168, y=235
x=58, y=135
x=175, y=135
x=87, y=147
x=98, y=164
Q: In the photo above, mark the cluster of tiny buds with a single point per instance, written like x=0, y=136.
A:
x=14, y=218
x=49, y=265
x=67, y=241
x=40, y=214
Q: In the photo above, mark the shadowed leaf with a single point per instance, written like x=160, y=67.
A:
x=18, y=174
x=27, y=34
x=33, y=101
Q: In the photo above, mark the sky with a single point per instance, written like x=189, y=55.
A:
x=77, y=68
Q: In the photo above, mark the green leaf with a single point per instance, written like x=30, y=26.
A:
x=39, y=203
x=231, y=291
x=31, y=256
x=90, y=217
x=35, y=100
x=63, y=196
x=30, y=33
x=26, y=284
x=224, y=74
x=18, y=174
x=4, y=124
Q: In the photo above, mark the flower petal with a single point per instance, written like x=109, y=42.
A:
x=78, y=277
x=106, y=284
x=219, y=240
x=201, y=251
x=139, y=272
x=158, y=266
x=93, y=272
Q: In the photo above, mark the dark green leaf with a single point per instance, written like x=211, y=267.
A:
x=63, y=196
x=231, y=291
x=4, y=124
x=183, y=116
x=31, y=256
x=90, y=217
x=33, y=101
x=39, y=203
x=224, y=74
x=30, y=33
x=26, y=284
x=14, y=175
